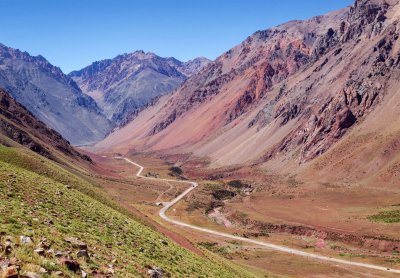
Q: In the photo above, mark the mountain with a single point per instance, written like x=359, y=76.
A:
x=22, y=127
x=51, y=96
x=126, y=84
x=286, y=94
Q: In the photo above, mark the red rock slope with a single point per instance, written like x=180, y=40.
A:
x=286, y=93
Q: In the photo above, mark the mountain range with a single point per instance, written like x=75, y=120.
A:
x=113, y=91
x=128, y=83
x=284, y=95
x=52, y=96
x=290, y=140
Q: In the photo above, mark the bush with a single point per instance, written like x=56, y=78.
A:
x=223, y=194
x=176, y=170
x=236, y=184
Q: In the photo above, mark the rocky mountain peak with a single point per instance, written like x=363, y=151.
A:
x=129, y=82
x=51, y=96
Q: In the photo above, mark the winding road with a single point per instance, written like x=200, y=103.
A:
x=270, y=246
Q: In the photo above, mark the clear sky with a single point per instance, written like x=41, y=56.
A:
x=74, y=33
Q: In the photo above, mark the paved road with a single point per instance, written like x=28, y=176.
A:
x=275, y=247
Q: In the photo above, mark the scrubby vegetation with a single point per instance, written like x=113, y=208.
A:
x=387, y=216
x=223, y=194
x=236, y=184
x=56, y=223
x=176, y=171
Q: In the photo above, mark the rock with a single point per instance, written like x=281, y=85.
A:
x=60, y=254
x=156, y=272
x=82, y=253
x=57, y=273
x=68, y=186
x=84, y=274
x=39, y=251
x=164, y=242
x=76, y=242
x=71, y=264
x=25, y=240
x=11, y=272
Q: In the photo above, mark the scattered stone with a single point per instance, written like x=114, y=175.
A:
x=57, y=273
x=84, y=274
x=68, y=186
x=76, y=242
x=60, y=254
x=39, y=251
x=156, y=272
x=164, y=242
x=82, y=253
x=25, y=240
x=42, y=270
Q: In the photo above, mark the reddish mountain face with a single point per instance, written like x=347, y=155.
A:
x=21, y=126
x=289, y=91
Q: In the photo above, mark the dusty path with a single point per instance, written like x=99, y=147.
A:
x=280, y=248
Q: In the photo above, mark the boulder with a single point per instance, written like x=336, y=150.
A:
x=156, y=272
x=82, y=253
x=76, y=243
x=25, y=240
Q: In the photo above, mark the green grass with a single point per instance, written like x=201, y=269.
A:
x=33, y=192
x=387, y=216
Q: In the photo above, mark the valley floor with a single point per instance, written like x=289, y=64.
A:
x=239, y=216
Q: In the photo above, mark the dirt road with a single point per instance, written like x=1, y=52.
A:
x=275, y=247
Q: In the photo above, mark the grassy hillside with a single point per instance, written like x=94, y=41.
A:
x=62, y=213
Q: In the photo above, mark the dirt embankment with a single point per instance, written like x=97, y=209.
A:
x=364, y=241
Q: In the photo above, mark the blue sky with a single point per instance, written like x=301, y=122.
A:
x=73, y=33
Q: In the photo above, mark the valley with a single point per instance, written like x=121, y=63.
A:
x=309, y=242
x=278, y=158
